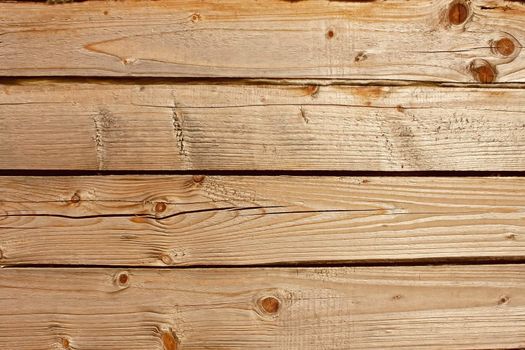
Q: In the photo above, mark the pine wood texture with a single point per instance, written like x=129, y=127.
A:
x=432, y=307
x=422, y=40
x=230, y=220
x=257, y=126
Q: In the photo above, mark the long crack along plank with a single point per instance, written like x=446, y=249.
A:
x=215, y=220
x=421, y=40
x=432, y=307
x=251, y=126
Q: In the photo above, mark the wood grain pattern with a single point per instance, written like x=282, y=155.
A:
x=420, y=40
x=191, y=126
x=440, y=307
x=215, y=220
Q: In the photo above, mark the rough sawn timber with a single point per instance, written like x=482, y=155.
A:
x=141, y=220
x=147, y=125
x=420, y=40
x=428, y=307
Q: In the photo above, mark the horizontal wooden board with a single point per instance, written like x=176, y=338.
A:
x=231, y=220
x=447, y=307
x=192, y=126
x=423, y=40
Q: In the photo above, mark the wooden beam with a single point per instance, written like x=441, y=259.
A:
x=421, y=40
x=215, y=220
x=247, y=126
x=431, y=307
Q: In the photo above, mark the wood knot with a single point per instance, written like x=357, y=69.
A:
x=270, y=305
x=312, y=90
x=160, y=207
x=122, y=279
x=483, y=71
x=504, y=46
x=169, y=340
x=198, y=178
x=166, y=259
x=129, y=60
x=65, y=343
x=195, y=17
x=330, y=34
x=503, y=300
x=509, y=236
x=458, y=13
x=138, y=219
x=361, y=56
x=75, y=198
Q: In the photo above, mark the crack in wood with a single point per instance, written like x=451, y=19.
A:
x=177, y=119
x=397, y=211
x=145, y=216
x=103, y=121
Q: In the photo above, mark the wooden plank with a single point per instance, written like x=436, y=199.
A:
x=192, y=126
x=423, y=40
x=231, y=220
x=431, y=307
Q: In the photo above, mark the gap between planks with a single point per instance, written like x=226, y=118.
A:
x=44, y=80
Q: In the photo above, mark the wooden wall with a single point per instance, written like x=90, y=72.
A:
x=278, y=174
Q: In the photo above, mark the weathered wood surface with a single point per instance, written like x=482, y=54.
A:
x=420, y=40
x=440, y=307
x=191, y=126
x=184, y=220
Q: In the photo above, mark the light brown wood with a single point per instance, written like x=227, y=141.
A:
x=432, y=307
x=215, y=220
x=418, y=40
x=191, y=126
